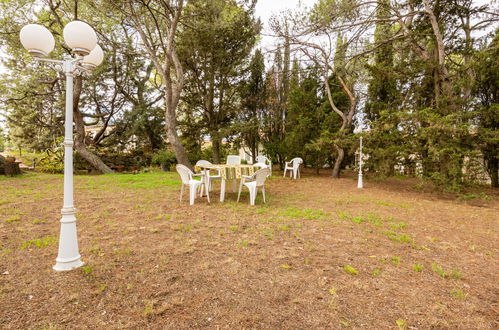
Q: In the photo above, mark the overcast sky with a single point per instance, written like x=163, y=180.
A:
x=266, y=8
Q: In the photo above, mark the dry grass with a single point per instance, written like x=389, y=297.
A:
x=320, y=254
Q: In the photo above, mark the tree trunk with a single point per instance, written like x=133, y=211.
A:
x=338, y=161
x=171, y=133
x=493, y=167
x=215, y=147
x=79, y=141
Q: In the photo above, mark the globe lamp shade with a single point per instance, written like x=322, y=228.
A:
x=80, y=37
x=92, y=60
x=37, y=39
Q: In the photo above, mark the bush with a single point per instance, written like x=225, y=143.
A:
x=164, y=158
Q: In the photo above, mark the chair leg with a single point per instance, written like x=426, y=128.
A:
x=284, y=173
x=240, y=188
x=207, y=193
x=252, y=193
x=263, y=193
x=192, y=193
x=255, y=192
x=222, y=190
x=181, y=191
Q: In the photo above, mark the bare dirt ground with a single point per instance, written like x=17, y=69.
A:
x=321, y=254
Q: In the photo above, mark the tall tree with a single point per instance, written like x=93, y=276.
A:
x=486, y=114
x=253, y=105
x=157, y=24
x=213, y=51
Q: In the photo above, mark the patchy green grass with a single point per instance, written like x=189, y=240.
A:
x=13, y=218
x=395, y=260
x=397, y=226
x=307, y=214
x=87, y=269
x=417, y=268
x=401, y=324
x=268, y=233
x=242, y=243
x=39, y=242
x=458, y=294
x=453, y=274
x=182, y=227
x=350, y=270
x=403, y=238
x=149, y=180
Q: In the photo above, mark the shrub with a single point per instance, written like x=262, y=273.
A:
x=165, y=158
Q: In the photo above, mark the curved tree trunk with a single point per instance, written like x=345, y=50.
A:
x=338, y=161
x=79, y=141
x=173, y=138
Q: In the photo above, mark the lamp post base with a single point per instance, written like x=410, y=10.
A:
x=66, y=265
x=359, y=182
x=68, y=257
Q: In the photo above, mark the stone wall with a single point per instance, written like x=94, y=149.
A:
x=117, y=162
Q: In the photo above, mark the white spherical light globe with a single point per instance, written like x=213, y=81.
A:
x=80, y=37
x=37, y=39
x=92, y=60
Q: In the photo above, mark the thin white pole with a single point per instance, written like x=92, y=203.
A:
x=69, y=256
x=359, y=182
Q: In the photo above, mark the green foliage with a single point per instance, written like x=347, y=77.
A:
x=164, y=157
x=213, y=53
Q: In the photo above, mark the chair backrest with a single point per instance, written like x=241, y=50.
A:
x=261, y=175
x=296, y=162
x=203, y=162
x=233, y=160
x=184, y=172
x=262, y=159
x=262, y=165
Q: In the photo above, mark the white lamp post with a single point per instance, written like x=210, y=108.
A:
x=359, y=181
x=359, y=129
x=39, y=42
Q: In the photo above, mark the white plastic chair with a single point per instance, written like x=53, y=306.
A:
x=187, y=180
x=233, y=160
x=253, y=182
x=208, y=177
x=261, y=165
x=294, y=167
x=265, y=160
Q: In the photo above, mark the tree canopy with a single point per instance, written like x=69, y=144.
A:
x=421, y=77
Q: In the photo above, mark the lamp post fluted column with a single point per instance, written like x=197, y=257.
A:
x=68, y=256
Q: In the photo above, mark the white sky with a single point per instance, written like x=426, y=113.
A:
x=266, y=8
